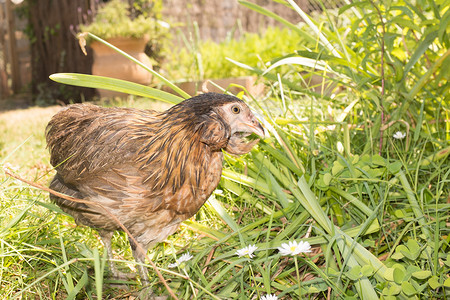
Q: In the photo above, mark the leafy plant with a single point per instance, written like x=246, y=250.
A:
x=199, y=60
x=390, y=57
x=363, y=60
x=115, y=20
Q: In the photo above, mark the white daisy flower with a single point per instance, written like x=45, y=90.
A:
x=9, y=166
x=269, y=297
x=399, y=135
x=247, y=251
x=183, y=258
x=294, y=248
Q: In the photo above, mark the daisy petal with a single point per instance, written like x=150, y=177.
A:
x=294, y=248
x=183, y=258
x=247, y=251
x=269, y=297
x=399, y=135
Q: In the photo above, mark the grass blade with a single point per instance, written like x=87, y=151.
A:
x=84, y=280
x=99, y=267
x=416, y=208
x=223, y=214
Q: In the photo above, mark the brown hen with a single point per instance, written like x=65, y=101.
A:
x=151, y=170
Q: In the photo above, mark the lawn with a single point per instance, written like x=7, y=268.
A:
x=357, y=166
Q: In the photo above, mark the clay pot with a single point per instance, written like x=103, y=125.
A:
x=109, y=63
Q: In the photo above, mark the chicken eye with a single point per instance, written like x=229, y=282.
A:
x=235, y=109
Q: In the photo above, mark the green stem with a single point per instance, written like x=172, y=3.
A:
x=298, y=277
x=190, y=282
x=253, y=276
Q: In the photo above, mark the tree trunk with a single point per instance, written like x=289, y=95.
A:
x=54, y=48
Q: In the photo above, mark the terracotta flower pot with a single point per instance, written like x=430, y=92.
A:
x=108, y=62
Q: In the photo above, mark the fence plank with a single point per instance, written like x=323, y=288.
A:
x=4, y=89
x=13, y=58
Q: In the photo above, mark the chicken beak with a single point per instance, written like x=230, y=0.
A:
x=253, y=126
x=258, y=130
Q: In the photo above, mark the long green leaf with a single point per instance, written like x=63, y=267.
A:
x=307, y=62
x=113, y=84
x=329, y=58
x=420, y=50
x=423, y=80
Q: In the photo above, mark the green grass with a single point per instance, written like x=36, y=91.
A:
x=45, y=255
x=374, y=208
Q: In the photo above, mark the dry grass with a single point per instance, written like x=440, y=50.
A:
x=22, y=142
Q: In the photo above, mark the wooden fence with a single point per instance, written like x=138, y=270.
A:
x=217, y=19
x=11, y=80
